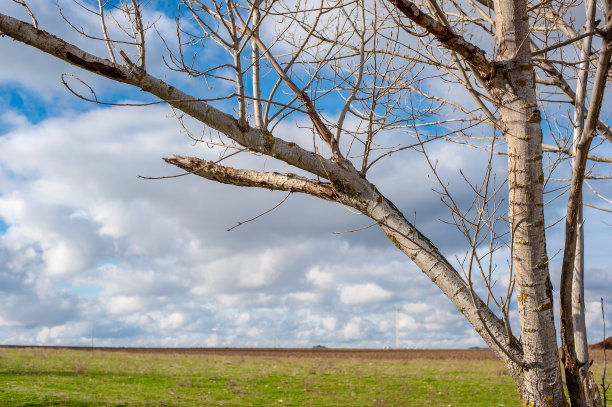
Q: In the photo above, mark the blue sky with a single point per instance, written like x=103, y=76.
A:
x=150, y=262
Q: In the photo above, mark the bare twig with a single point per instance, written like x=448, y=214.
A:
x=563, y=43
x=27, y=9
x=355, y=230
x=111, y=54
x=261, y=214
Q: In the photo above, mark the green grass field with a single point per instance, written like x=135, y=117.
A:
x=55, y=377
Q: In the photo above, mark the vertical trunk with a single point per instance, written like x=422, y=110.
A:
x=579, y=389
x=580, y=338
x=542, y=384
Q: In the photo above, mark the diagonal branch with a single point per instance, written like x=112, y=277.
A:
x=250, y=178
x=568, y=151
x=475, y=56
x=402, y=234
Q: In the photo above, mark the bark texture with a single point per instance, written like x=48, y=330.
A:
x=542, y=384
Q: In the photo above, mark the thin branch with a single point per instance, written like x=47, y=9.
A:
x=355, y=230
x=260, y=215
x=564, y=43
x=140, y=32
x=111, y=54
x=356, y=86
x=599, y=208
x=27, y=9
x=597, y=193
x=556, y=149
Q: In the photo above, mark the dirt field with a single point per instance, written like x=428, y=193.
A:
x=398, y=354
x=457, y=354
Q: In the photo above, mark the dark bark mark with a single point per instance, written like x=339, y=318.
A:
x=98, y=67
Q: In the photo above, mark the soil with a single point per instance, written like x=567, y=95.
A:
x=331, y=353
x=400, y=354
x=600, y=345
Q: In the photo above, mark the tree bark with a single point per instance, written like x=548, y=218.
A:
x=580, y=334
x=575, y=386
x=542, y=384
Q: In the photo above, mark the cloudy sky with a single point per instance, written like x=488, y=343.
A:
x=85, y=242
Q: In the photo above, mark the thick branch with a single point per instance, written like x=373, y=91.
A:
x=250, y=178
x=475, y=56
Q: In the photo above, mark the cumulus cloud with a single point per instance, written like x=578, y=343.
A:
x=363, y=294
x=352, y=329
x=151, y=263
x=87, y=242
x=173, y=321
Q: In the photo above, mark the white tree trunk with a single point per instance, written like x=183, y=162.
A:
x=580, y=337
x=542, y=384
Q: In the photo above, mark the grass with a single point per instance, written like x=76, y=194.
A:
x=55, y=377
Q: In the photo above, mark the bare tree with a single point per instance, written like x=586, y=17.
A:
x=354, y=71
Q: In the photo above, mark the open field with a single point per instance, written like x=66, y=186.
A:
x=255, y=377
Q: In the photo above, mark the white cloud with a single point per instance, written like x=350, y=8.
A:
x=352, y=329
x=321, y=279
x=172, y=321
x=254, y=333
x=363, y=294
x=329, y=323
x=50, y=335
x=123, y=304
x=243, y=318
x=64, y=258
x=259, y=272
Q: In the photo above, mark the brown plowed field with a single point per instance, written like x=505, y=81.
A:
x=342, y=353
x=458, y=354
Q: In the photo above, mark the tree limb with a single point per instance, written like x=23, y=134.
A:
x=249, y=178
x=451, y=41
